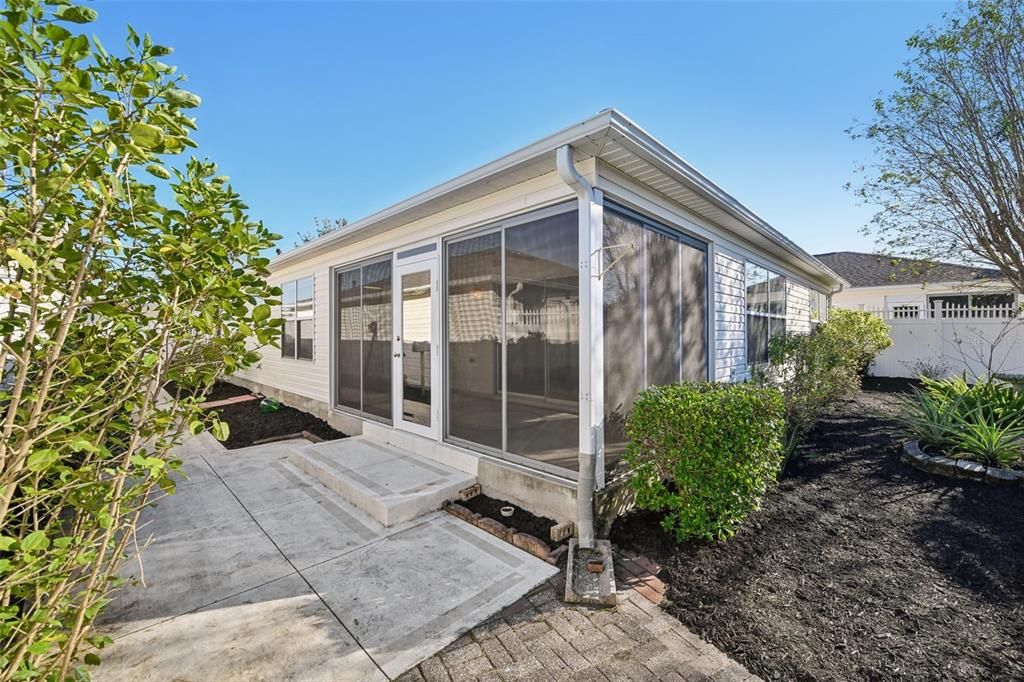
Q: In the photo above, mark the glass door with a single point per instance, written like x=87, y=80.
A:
x=415, y=347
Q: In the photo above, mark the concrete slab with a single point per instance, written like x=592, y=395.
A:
x=225, y=591
x=388, y=483
x=319, y=526
x=278, y=631
x=187, y=570
x=415, y=591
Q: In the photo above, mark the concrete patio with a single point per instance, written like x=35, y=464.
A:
x=257, y=572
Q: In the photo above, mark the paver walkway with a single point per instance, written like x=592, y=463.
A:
x=541, y=638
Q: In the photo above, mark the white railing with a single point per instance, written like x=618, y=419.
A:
x=938, y=311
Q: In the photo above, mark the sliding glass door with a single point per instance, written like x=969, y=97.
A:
x=362, y=370
x=512, y=338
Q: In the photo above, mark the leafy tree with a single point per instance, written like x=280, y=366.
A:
x=107, y=293
x=949, y=144
x=322, y=226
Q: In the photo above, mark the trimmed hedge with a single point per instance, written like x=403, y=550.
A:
x=705, y=454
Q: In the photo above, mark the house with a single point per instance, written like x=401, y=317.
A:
x=944, y=319
x=906, y=288
x=503, y=322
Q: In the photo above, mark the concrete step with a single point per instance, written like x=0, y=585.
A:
x=390, y=484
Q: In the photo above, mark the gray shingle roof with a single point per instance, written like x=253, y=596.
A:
x=873, y=270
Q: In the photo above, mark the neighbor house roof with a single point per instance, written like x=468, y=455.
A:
x=874, y=270
x=617, y=141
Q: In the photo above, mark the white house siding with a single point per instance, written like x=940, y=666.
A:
x=308, y=378
x=888, y=296
x=730, y=318
x=798, y=308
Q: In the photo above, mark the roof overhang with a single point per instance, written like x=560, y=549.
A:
x=614, y=139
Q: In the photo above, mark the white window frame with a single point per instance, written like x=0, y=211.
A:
x=766, y=314
x=301, y=315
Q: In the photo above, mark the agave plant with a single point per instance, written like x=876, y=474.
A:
x=929, y=419
x=998, y=401
x=977, y=438
x=981, y=422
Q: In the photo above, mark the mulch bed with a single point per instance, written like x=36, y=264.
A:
x=219, y=391
x=249, y=424
x=858, y=566
x=522, y=520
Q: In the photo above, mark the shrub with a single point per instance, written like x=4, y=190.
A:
x=861, y=334
x=815, y=370
x=124, y=266
x=704, y=454
x=812, y=371
x=982, y=422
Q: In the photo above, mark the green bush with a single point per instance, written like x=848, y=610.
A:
x=862, y=334
x=815, y=370
x=812, y=371
x=704, y=454
x=982, y=422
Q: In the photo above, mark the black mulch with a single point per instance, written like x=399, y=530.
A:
x=249, y=424
x=522, y=520
x=219, y=391
x=858, y=566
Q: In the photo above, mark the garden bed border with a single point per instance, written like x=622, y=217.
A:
x=523, y=541
x=958, y=468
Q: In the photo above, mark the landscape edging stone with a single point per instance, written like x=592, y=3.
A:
x=958, y=468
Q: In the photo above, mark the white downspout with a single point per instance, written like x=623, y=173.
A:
x=585, y=482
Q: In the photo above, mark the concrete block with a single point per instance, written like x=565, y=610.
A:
x=411, y=595
x=279, y=631
x=583, y=586
x=972, y=470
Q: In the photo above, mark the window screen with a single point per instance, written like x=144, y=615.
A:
x=655, y=315
x=364, y=329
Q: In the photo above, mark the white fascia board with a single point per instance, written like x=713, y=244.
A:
x=591, y=126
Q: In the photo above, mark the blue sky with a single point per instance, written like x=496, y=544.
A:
x=340, y=109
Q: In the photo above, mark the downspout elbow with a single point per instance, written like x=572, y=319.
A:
x=570, y=176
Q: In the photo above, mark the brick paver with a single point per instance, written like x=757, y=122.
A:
x=541, y=638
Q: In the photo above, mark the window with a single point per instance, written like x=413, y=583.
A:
x=297, y=313
x=363, y=353
x=512, y=326
x=655, y=315
x=766, y=310
x=818, y=308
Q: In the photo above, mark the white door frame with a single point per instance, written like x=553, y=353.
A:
x=429, y=264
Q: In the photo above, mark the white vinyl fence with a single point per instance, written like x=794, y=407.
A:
x=943, y=341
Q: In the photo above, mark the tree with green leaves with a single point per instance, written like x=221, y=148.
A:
x=948, y=179
x=123, y=266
